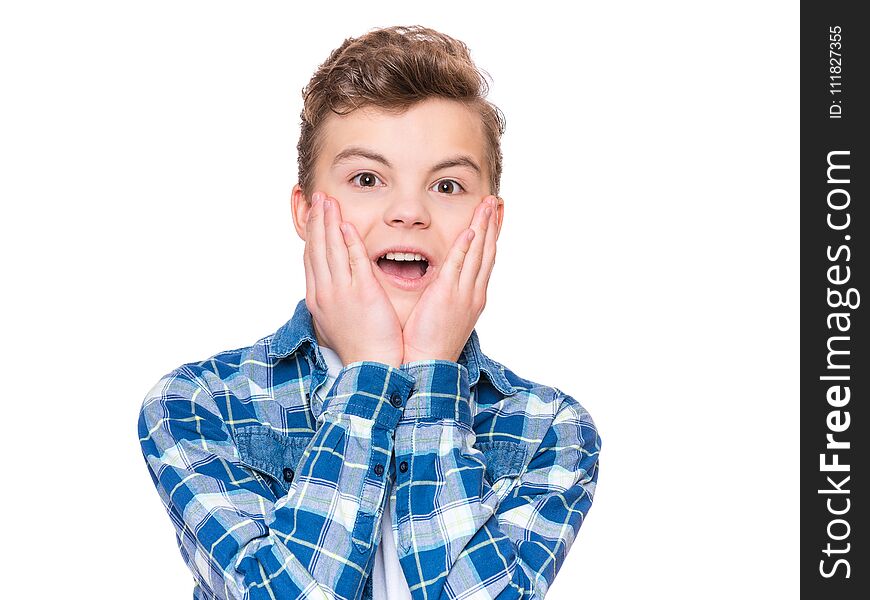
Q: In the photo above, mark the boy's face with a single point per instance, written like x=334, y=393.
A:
x=410, y=180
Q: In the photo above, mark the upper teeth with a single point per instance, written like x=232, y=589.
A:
x=403, y=256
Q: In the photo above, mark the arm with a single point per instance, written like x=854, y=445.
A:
x=468, y=541
x=237, y=538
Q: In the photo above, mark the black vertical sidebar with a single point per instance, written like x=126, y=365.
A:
x=834, y=370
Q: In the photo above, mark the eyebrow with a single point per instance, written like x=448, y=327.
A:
x=358, y=151
x=460, y=160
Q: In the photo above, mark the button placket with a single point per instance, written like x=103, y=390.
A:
x=403, y=453
x=373, y=487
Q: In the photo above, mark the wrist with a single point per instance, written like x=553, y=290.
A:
x=412, y=356
x=391, y=361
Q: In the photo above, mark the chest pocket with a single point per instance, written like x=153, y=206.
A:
x=272, y=454
x=503, y=459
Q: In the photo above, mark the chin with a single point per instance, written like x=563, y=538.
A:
x=404, y=305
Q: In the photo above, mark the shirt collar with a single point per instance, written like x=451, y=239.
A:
x=298, y=333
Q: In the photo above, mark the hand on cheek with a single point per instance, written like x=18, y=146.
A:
x=448, y=309
x=351, y=311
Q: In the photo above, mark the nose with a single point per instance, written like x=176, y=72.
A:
x=407, y=210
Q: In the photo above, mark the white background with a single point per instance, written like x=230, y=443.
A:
x=648, y=263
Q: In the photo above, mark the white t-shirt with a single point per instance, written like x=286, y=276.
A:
x=388, y=580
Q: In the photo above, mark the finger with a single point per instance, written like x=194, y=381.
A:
x=317, y=239
x=452, y=267
x=474, y=258
x=360, y=265
x=336, y=250
x=489, y=249
x=310, y=284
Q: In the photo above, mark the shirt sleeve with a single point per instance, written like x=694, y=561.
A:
x=240, y=540
x=467, y=539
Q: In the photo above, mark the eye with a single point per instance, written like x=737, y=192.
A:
x=448, y=186
x=366, y=179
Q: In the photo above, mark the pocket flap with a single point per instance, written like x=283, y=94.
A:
x=503, y=459
x=270, y=452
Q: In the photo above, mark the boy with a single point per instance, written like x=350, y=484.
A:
x=368, y=448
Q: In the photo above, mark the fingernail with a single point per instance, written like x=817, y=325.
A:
x=492, y=201
x=327, y=203
x=488, y=212
x=316, y=197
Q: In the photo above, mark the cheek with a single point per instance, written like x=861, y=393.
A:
x=360, y=219
x=455, y=224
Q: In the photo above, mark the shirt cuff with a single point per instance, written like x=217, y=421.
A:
x=371, y=390
x=441, y=391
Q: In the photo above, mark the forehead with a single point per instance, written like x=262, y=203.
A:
x=418, y=137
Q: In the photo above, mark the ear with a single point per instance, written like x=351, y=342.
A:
x=300, y=208
x=499, y=215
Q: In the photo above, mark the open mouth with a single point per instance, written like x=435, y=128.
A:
x=404, y=265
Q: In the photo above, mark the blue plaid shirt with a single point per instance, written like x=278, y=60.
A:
x=275, y=494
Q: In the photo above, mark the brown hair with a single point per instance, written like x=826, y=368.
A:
x=393, y=68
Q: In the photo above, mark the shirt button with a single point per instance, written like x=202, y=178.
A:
x=396, y=399
x=288, y=474
x=379, y=469
x=403, y=466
